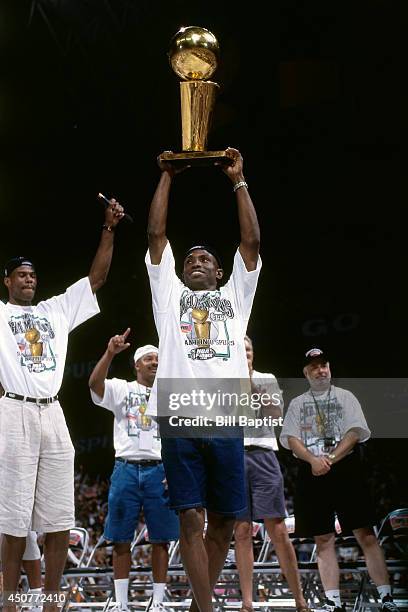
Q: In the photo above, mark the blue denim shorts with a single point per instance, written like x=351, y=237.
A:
x=205, y=473
x=134, y=487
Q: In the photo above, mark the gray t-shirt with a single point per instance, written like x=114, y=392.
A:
x=321, y=420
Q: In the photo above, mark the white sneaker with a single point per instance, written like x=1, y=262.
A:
x=119, y=607
x=330, y=606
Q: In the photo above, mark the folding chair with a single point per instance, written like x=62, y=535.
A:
x=77, y=550
x=88, y=585
x=394, y=530
x=78, y=545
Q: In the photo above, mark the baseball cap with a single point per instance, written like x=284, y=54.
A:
x=16, y=262
x=313, y=354
x=144, y=350
x=205, y=247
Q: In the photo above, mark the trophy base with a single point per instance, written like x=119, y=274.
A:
x=197, y=158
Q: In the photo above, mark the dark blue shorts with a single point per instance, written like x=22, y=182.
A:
x=205, y=473
x=134, y=487
x=264, y=486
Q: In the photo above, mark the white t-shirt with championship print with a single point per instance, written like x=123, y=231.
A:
x=134, y=433
x=34, y=339
x=265, y=437
x=201, y=333
x=337, y=411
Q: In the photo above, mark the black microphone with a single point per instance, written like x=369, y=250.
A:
x=107, y=203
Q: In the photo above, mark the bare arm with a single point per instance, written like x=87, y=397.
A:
x=271, y=408
x=103, y=257
x=319, y=465
x=345, y=445
x=270, y=404
x=116, y=345
x=157, y=222
x=156, y=226
x=248, y=221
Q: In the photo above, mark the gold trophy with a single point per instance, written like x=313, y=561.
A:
x=146, y=421
x=193, y=56
x=32, y=336
x=201, y=326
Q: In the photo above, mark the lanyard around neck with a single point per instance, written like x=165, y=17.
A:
x=322, y=420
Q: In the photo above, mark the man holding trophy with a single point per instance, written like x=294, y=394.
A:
x=202, y=474
x=205, y=475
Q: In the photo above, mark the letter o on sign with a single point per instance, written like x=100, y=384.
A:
x=346, y=322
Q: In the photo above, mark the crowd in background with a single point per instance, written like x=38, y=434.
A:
x=91, y=497
x=91, y=500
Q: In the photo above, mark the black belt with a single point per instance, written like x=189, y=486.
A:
x=146, y=462
x=34, y=400
x=253, y=447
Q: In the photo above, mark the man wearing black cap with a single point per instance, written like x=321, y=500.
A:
x=322, y=428
x=201, y=331
x=36, y=452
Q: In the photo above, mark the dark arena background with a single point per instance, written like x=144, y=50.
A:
x=314, y=96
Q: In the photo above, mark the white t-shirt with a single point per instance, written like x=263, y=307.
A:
x=338, y=411
x=34, y=339
x=265, y=435
x=201, y=333
x=134, y=434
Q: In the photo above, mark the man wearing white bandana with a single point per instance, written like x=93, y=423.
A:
x=138, y=477
x=323, y=427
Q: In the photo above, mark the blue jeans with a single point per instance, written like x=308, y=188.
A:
x=205, y=473
x=134, y=487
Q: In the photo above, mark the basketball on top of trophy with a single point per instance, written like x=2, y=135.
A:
x=194, y=53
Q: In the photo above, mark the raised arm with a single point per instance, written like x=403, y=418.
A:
x=271, y=397
x=157, y=222
x=103, y=257
x=116, y=345
x=248, y=221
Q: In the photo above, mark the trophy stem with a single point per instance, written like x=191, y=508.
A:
x=197, y=104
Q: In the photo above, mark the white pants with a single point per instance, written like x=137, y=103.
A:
x=36, y=469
